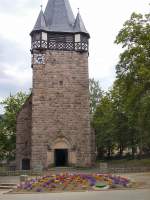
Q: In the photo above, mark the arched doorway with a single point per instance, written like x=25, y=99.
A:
x=61, y=157
x=61, y=153
x=26, y=164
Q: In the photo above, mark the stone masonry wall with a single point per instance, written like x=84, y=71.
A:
x=60, y=106
x=23, y=136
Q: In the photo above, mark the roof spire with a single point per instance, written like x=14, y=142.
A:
x=41, y=22
x=59, y=16
x=79, y=24
x=41, y=5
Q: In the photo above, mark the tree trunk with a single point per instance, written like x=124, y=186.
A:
x=109, y=153
x=121, y=148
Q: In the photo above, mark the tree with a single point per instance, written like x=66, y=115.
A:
x=3, y=139
x=120, y=119
x=104, y=126
x=12, y=105
x=95, y=94
x=133, y=75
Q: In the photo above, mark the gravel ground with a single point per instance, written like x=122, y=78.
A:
x=143, y=179
x=141, y=194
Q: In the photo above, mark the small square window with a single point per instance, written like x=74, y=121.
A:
x=61, y=83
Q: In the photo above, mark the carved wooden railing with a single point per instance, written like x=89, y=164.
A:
x=64, y=46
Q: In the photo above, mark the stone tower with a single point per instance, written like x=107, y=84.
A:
x=53, y=127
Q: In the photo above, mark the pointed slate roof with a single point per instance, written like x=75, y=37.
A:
x=79, y=25
x=58, y=17
x=40, y=23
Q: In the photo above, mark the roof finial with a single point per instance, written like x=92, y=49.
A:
x=78, y=10
x=41, y=7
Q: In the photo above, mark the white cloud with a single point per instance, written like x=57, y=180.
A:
x=103, y=19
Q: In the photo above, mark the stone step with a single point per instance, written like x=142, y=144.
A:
x=60, y=168
x=6, y=186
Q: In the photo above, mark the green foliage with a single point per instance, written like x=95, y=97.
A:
x=12, y=105
x=133, y=75
x=122, y=118
x=103, y=125
x=95, y=94
x=130, y=163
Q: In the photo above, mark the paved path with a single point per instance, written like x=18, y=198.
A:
x=9, y=179
x=143, y=194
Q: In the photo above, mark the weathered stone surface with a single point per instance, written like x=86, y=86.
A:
x=60, y=111
x=61, y=106
x=23, y=136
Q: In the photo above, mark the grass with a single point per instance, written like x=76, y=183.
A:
x=130, y=163
x=3, y=168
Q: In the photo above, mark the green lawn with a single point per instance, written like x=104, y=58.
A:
x=131, y=163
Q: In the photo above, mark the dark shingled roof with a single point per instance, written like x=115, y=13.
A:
x=79, y=25
x=58, y=17
x=40, y=23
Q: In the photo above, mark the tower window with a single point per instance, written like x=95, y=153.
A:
x=61, y=38
x=61, y=83
x=44, y=36
x=26, y=144
x=77, y=38
x=37, y=36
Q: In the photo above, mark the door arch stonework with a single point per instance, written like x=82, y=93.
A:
x=61, y=143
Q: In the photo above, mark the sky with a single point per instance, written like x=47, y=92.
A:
x=103, y=20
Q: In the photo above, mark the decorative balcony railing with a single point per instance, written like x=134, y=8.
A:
x=64, y=46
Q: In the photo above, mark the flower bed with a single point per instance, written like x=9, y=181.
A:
x=73, y=182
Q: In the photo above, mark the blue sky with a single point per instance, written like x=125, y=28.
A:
x=103, y=20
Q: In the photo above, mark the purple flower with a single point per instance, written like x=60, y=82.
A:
x=45, y=185
x=39, y=190
x=91, y=180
